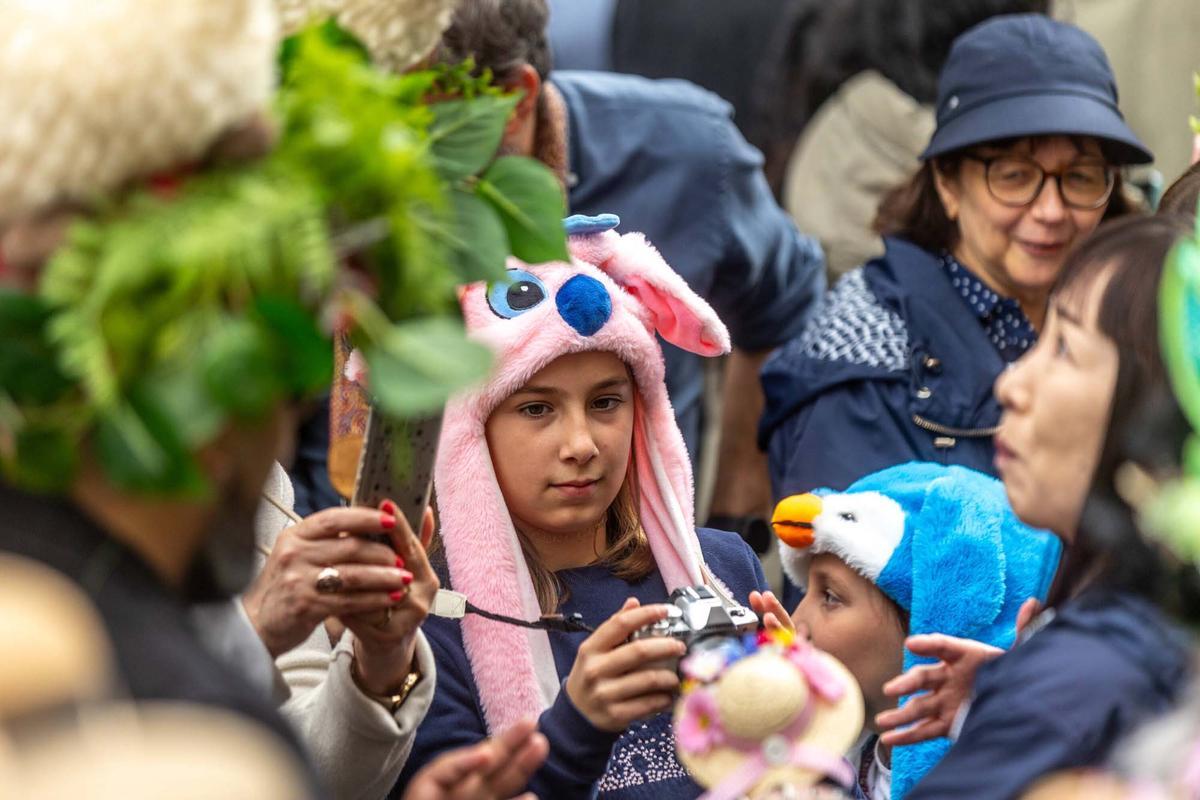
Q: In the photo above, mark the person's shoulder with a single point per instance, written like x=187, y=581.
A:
x=731, y=559
x=853, y=343
x=637, y=94
x=1091, y=657
x=718, y=544
x=851, y=326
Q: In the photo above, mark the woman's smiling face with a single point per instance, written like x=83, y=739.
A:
x=1019, y=251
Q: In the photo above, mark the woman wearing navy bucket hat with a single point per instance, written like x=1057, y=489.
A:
x=899, y=363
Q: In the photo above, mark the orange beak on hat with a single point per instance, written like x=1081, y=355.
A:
x=793, y=519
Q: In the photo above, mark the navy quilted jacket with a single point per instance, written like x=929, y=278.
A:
x=894, y=367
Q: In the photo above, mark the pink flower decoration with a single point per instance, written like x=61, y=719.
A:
x=699, y=728
x=821, y=679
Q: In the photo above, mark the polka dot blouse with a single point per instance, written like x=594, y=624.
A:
x=1002, y=318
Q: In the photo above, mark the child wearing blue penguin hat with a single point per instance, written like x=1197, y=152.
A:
x=943, y=545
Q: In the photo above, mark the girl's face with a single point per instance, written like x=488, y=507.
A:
x=849, y=618
x=1056, y=403
x=560, y=444
x=1020, y=250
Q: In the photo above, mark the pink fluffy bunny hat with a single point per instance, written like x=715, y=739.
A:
x=614, y=296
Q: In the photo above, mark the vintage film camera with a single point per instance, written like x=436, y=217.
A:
x=700, y=618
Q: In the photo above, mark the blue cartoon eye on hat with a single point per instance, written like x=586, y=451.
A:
x=942, y=542
x=583, y=302
x=518, y=293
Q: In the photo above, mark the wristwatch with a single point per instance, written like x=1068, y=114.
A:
x=394, y=700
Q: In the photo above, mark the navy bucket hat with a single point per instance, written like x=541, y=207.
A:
x=1029, y=75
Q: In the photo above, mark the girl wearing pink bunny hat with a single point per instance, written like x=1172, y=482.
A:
x=563, y=487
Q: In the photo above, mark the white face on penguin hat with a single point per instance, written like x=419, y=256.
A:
x=99, y=93
x=863, y=529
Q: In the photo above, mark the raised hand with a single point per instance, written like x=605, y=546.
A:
x=494, y=769
x=945, y=684
x=324, y=567
x=771, y=611
x=384, y=642
x=615, y=681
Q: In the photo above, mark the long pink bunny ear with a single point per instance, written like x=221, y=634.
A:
x=676, y=312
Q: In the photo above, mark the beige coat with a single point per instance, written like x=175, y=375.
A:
x=861, y=143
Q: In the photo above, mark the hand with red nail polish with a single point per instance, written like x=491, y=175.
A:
x=285, y=602
x=384, y=644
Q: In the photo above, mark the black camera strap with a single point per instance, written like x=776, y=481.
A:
x=454, y=605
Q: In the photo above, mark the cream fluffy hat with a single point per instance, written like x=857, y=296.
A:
x=397, y=33
x=80, y=123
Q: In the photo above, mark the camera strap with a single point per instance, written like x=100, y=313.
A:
x=455, y=605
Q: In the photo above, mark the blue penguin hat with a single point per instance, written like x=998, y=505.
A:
x=943, y=543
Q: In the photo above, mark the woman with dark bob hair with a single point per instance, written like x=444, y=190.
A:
x=1082, y=406
x=899, y=363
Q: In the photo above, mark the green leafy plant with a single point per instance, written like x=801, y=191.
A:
x=164, y=319
x=1173, y=513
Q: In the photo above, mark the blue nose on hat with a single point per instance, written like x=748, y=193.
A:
x=1028, y=75
x=584, y=304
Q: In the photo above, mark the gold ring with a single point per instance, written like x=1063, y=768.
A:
x=329, y=580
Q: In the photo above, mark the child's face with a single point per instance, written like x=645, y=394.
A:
x=849, y=618
x=560, y=444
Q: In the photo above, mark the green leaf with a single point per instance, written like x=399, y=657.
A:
x=141, y=451
x=419, y=364
x=45, y=459
x=29, y=371
x=326, y=31
x=530, y=202
x=465, y=134
x=182, y=396
x=304, y=354
x=479, y=244
x=20, y=312
x=239, y=370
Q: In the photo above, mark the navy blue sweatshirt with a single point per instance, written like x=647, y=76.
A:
x=1106, y=662
x=584, y=761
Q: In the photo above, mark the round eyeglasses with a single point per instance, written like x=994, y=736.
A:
x=1016, y=181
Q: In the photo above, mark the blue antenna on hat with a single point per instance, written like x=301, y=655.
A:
x=583, y=225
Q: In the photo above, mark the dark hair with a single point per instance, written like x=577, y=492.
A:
x=1108, y=551
x=499, y=35
x=819, y=45
x=914, y=211
x=1182, y=196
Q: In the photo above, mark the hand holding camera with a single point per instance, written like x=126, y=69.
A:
x=628, y=669
x=609, y=682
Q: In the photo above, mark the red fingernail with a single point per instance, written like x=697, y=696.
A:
x=387, y=521
x=397, y=595
x=407, y=578
x=399, y=562
x=388, y=507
